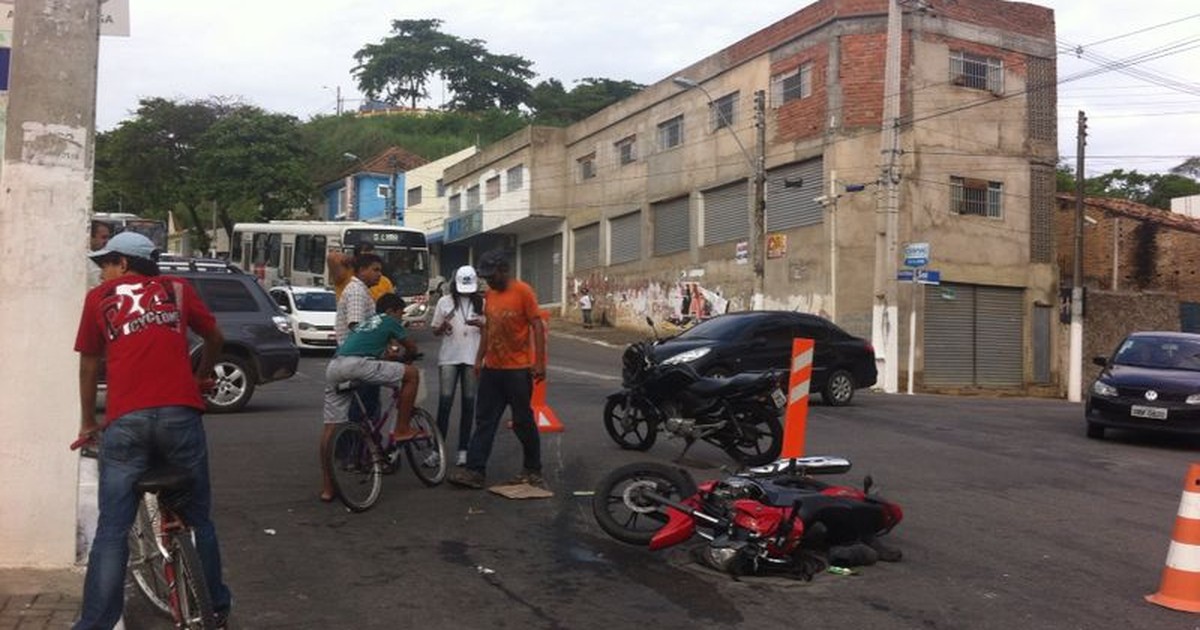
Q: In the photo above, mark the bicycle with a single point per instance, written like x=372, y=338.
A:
x=163, y=561
x=360, y=453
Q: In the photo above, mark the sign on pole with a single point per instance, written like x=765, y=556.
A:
x=916, y=254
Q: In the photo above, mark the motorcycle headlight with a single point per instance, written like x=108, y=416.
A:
x=688, y=356
x=1100, y=388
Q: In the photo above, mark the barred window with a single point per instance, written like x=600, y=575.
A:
x=493, y=187
x=975, y=197
x=723, y=111
x=792, y=85
x=670, y=133
x=516, y=177
x=626, y=150
x=587, y=166
x=414, y=197
x=455, y=204
x=976, y=71
x=473, y=198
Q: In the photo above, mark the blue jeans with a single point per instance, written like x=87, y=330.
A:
x=499, y=389
x=129, y=447
x=449, y=377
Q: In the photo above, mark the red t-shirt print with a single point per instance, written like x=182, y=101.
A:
x=140, y=324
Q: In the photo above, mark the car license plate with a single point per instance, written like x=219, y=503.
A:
x=779, y=398
x=1154, y=413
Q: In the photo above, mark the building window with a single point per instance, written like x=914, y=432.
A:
x=792, y=85
x=670, y=133
x=626, y=150
x=976, y=197
x=516, y=177
x=382, y=191
x=441, y=188
x=977, y=72
x=493, y=187
x=414, y=197
x=723, y=111
x=587, y=166
x=473, y=198
x=455, y=204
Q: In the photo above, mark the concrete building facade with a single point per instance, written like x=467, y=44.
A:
x=654, y=195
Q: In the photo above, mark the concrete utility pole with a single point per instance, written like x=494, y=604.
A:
x=1075, y=369
x=884, y=322
x=45, y=198
x=760, y=201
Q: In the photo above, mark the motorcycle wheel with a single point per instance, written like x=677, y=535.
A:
x=629, y=426
x=624, y=513
x=759, y=443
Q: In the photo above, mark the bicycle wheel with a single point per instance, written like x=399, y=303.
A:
x=427, y=454
x=146, y=560
x=356, y=466
x=190, y=598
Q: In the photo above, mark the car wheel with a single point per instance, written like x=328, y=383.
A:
x=839, y=389
x=1095, y=431
x=234, y=385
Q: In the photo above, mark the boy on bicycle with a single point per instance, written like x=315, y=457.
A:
x=370, y=355
x=138, y=321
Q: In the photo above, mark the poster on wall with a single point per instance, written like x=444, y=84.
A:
x=776, y=245
x=742, y=253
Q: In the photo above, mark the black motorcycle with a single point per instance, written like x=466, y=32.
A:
x=740, y=415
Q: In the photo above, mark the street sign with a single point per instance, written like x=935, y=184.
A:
x=924, y=276
x=916, y=254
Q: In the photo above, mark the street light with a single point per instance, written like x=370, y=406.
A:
x=758, y=168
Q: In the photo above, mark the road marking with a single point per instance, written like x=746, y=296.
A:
x=584, y=373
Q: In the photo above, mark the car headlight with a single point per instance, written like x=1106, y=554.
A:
x=1194, y=399
x=305, y=326
x=1100, y=388
x=282, y=324
x=688, y=356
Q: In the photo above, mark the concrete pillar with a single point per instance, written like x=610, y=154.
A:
x=45, y=197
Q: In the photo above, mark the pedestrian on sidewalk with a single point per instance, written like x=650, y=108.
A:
x=137, y=321
x=507, y=365
x=585, y=306
x=457, y=319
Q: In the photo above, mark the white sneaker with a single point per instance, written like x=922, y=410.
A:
x=461, y=460
x=433, y=460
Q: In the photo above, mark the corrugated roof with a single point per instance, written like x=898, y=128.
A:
x=1134, y=210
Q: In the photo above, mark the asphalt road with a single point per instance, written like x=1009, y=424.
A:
x=1012, y=520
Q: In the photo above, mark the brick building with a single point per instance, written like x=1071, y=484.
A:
x=656, y=193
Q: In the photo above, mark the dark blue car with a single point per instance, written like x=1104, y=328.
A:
x=760, y=340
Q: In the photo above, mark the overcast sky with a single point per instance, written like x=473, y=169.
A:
x=289, y=56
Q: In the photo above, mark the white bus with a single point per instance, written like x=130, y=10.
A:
x=293, y=252
x=153, y=229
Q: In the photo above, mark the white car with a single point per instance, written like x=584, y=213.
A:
x=312, y=311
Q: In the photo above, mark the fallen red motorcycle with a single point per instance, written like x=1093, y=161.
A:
x=773, y=518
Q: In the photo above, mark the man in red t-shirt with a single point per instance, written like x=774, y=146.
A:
x=507, y=366
x=137, y=321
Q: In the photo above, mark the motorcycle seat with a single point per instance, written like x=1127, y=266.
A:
x=713, y=387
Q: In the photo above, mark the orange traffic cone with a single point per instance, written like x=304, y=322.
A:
x=1180, y=588
x=543, y=416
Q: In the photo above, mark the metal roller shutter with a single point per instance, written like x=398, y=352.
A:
x=949, y=335
x=727, y=213
x=625, y=233
x=587, y=247
x=541, y=267
x=793, y=206
x=672, y=226
x=998, y=337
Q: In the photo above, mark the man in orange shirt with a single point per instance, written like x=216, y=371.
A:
x=507, y=365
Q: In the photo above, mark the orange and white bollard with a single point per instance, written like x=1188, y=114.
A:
x=796, y=418
x=1180, y=588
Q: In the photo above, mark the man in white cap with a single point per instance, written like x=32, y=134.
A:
x=138, y=321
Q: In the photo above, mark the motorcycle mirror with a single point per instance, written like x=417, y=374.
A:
x=867, y=483
x=653, y=330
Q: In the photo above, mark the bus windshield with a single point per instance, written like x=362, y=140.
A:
x=152, y=229
x=408, y=269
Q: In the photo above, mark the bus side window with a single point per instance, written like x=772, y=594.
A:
x=317, y=256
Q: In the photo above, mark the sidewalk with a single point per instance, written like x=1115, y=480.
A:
x=603, y=335
x=40, y=598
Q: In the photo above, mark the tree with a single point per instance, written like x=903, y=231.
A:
x=1154, y=189
x=400, y=67
x=553, y=105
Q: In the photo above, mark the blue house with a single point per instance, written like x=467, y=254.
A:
x=365, y=191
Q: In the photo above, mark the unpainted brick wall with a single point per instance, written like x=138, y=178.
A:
x=1110, y=316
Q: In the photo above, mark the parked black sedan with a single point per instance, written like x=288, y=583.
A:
x=1151, y=383
x=761, y=340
